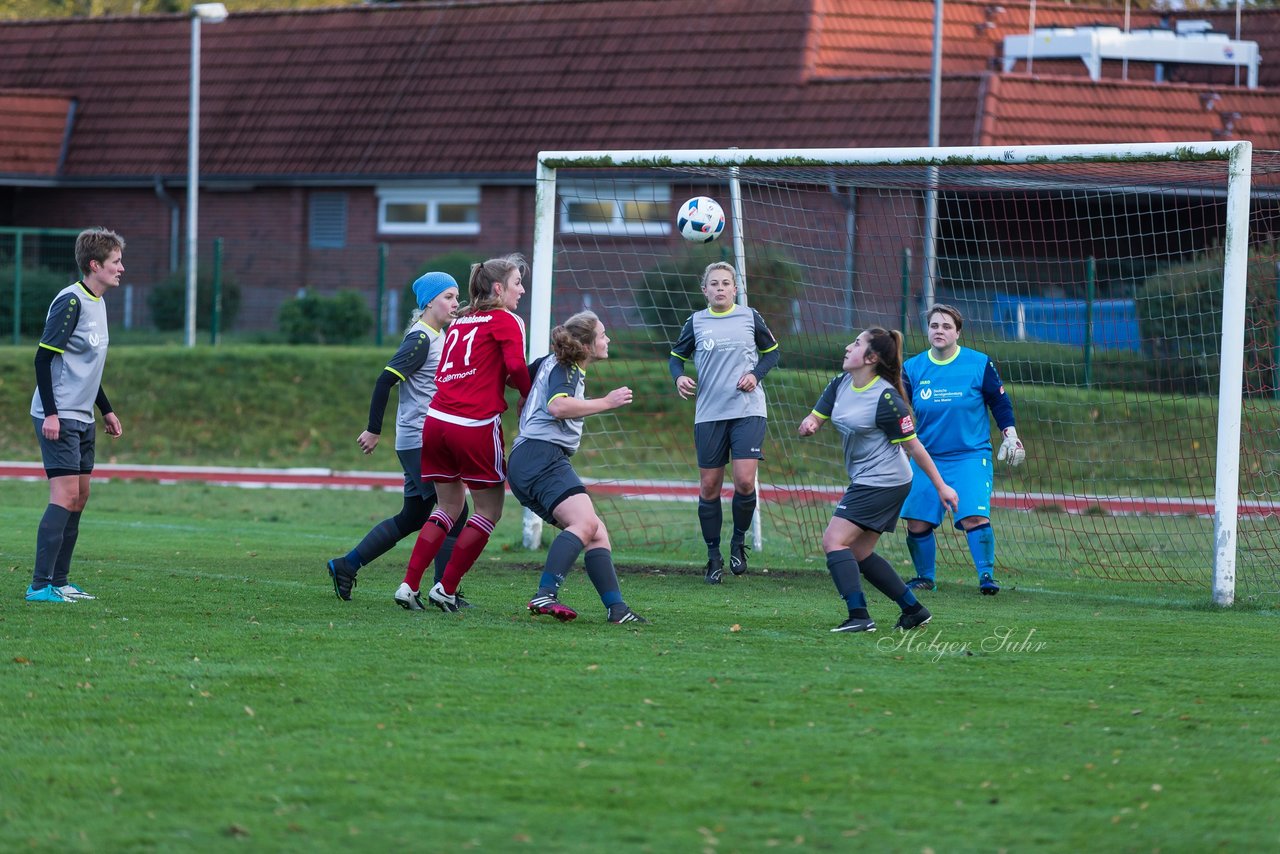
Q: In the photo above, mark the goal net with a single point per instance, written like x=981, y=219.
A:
x=1127, y=295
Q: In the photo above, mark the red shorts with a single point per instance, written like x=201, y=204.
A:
x=453, y=452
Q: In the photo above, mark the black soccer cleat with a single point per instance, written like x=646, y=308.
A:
x=738, y=558
x=715, y=570
x=621, y=614
x=856, y=624
x=988, y=585
x=907, y=622
x=344, y=578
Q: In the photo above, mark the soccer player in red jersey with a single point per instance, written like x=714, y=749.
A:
x=462, y=434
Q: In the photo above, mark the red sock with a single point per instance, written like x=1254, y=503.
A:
x=472, y=540
x=430, y=539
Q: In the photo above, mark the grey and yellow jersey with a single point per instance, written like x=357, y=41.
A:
x=415, y=365
x=874, y=421
x=76, y=331
x=551, y=380
x=723, y=347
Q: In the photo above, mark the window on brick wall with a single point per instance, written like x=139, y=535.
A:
x=429, y=210
x=328, y=221
x=607, y=207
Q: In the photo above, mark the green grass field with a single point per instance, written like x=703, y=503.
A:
x=218, y=696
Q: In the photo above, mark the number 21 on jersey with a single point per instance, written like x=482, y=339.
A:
x=450, y=348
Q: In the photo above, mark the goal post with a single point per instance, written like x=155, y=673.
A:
x=1231, y=377
x=1081, y=271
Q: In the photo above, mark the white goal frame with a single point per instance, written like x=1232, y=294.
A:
x=1236, y=154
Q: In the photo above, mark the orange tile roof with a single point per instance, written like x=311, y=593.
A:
x=1016, y=110
x=463, y=86
x=32, y=131
x=427, y=89
x=876, y=37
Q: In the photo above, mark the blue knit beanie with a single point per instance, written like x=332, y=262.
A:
x=431, y=285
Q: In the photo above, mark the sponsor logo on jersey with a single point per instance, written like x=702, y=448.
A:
x=707, y=343
x=906, y=424
x=925, y=394
x=448, y=378
x=473, y=318
x=94, y=340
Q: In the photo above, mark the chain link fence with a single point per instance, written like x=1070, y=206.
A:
x=243, y=284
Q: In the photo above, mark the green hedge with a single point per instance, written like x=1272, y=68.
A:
x=168, y=302
x=1180, y=312
x=39, y=287
x=670, y=292
x=343, y=318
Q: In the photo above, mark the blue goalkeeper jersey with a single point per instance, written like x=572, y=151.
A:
x=950, y=400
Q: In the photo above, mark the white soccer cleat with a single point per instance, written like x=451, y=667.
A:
x=444, y=601
x=408, y=598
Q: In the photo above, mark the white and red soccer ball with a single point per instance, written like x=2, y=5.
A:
x=701, y=219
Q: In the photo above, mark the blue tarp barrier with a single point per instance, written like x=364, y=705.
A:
x=1062, y=321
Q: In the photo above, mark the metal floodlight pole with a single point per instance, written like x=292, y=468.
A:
x=931, y=192
x=214, y=13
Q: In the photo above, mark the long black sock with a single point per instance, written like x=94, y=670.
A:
x=376, y=543
x=62, y=566
x=603, y=575
x=48, y=543
x=744, y=510
x=844, y=572
x=564, y=550
x=711, y=518
x=882, y=576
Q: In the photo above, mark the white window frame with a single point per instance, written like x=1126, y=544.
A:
x=432, y=198
x=586, y=191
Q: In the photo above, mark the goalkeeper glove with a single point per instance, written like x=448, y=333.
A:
x=1011, y=448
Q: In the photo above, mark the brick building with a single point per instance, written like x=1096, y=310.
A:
x=325, y=133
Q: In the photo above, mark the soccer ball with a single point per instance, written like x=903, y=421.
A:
x=701, y=219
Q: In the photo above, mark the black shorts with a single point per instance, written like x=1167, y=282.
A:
x=414, y=485
x=715, y=441
x=874, y=508
x=72, y=453
x=541, y=477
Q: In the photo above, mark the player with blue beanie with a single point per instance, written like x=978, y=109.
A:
x=413, y=368
x=428, y=286
x=950, y=389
